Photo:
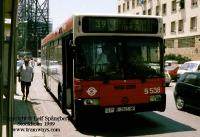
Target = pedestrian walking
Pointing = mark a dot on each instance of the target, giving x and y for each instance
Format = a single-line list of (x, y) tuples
[(32, 62), (26, 75)]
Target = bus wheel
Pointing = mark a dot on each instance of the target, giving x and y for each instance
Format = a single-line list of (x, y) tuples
[(77, 114)]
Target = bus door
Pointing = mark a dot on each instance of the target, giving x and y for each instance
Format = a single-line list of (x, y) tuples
[(68, 73)]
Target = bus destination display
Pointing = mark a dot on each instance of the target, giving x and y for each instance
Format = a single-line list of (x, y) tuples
[(119, 25)]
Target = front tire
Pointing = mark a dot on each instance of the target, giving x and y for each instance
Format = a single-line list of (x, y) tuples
[(180, 103), (77, 110), (78, 119)]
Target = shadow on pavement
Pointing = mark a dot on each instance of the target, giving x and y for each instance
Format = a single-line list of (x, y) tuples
[(148, 123), (24, 112)]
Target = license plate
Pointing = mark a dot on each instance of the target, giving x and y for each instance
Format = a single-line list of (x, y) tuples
[(125, 109), (110, 110), (119, 109)]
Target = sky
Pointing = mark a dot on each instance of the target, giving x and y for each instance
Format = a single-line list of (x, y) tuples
[(61, 10)]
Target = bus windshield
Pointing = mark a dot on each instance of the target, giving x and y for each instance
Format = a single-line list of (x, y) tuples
[(117, 57)]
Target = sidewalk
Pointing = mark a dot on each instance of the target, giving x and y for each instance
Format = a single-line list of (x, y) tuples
[(25, 119), (39, 116)]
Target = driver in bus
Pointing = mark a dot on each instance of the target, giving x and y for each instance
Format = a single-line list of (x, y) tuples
[(101, 60)]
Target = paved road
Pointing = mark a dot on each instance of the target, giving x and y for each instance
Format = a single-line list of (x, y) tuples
[(40, 116)]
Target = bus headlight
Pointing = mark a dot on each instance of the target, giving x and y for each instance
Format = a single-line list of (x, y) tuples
[(91, 102), (154, 98)]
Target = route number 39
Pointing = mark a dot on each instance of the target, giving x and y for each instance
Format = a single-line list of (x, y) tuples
[(154, 90)]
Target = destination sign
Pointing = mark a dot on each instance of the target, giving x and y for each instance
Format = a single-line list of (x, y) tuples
[(119, 25)]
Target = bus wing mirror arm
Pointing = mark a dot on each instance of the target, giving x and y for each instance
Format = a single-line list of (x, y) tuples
[(71, 43), (73, 48)]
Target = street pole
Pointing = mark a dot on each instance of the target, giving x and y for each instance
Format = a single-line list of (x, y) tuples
[(1, 74)]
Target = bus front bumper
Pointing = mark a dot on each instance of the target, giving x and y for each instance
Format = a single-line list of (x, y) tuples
[(131, 108)]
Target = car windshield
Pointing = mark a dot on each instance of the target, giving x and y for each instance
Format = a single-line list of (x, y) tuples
[(188, 66), (117, 58)]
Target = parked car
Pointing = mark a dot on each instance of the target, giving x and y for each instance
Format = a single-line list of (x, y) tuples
[(190, 66), (187, 91), (172, 71), (167, 79)]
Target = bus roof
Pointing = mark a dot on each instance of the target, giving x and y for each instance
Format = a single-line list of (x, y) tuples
[(65, 27), (115, 15), (68, 24)]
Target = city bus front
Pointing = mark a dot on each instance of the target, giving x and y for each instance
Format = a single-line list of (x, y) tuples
[(119, 73)]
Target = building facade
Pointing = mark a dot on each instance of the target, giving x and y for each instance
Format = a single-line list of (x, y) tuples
[(181, 22)]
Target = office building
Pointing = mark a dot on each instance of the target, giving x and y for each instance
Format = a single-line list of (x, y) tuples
[(181, 22)]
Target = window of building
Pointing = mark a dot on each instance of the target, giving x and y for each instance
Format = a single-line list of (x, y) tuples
[(124, 7), (127, 5), (169, 43), (144, 3), (180, 26), (173, 27), (144, 12), (138, 2), (174, 6), (164, 28), (164, 9), (133, 3), (157, 10), (182, 4), (193, 23), (119, 8), (186, 42), (194, 3), (149, 12)]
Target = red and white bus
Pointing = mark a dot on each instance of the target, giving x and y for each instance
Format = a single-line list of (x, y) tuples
[(106, 64)]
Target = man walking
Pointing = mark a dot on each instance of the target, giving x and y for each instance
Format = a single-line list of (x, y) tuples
[(25, 77)]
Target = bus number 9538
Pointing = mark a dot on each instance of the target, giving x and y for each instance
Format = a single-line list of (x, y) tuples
[(153, 90)]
